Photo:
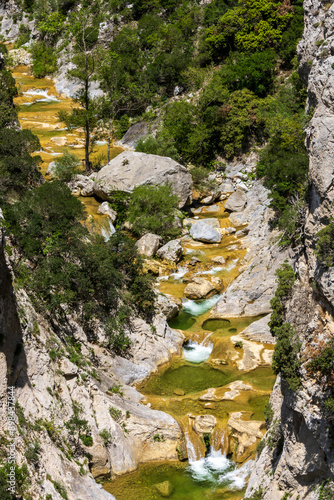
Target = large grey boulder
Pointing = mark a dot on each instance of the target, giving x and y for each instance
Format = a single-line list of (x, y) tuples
[(130, 169), (148, 244), (172, 251), (237, 201), (203, 231)]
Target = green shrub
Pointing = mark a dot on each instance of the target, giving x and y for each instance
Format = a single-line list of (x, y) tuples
[(268, 413), (24, 36), (66, 167), (115, 413), (21, 481), (61, 489), (326, 490), (160, 145), (105, 435), (257, 495), (325, 245), (285, 280), (286, 355), (86, 439), (152, 210), (44, 60)]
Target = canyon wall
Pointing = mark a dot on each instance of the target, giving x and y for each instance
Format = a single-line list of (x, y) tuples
[(298, 456)]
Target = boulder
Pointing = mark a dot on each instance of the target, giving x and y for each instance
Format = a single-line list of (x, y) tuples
[(219, 260), (105, 209), (172, 251), (167, 306), (193, 261), (226, 187), (237, 201), (131, 169), (81, 185), (217, 283), (165, 489), (148, 244), (199, 288), (202, 231), (204, 424)]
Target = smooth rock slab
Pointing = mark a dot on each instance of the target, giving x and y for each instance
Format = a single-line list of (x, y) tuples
[(202, 231), (130, 169), (148, 244)]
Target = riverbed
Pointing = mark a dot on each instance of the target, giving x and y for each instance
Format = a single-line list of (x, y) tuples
[(209, 358)]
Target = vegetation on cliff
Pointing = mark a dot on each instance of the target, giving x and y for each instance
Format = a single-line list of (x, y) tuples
[(286, 359)]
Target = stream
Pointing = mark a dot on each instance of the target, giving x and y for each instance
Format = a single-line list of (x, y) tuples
[(209, 357)]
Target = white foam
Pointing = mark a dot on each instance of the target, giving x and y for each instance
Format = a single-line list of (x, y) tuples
[(197, 308), (197, 353), (107, 232), (237, 478), (217, 468), (42, 93), (213, 270), (101, 143), (177, 275)]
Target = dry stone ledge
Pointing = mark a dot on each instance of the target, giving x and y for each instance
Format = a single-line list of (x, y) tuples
[(131, 169), (237, 201), (148, 244)]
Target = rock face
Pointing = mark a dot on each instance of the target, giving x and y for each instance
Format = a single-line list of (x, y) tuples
[(244, 432), (237, 201), (172, 251), (130, 169), (298, 443), (252, 290), (202, 231), (199, 288), (38, 378), (148, 244)]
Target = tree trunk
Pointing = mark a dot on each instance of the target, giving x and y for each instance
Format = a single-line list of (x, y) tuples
[(87, 131), (109, 136)]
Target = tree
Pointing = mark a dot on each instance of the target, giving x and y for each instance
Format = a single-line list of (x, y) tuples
[(82, 34)]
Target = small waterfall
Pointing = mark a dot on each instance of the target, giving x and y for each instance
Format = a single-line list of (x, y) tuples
[(196, 353), (191, 452), (108, 231), (196, 308)]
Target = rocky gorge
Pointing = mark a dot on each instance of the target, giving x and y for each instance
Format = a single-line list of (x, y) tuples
[(183, 414)]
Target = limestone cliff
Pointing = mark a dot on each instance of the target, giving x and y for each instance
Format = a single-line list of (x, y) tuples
[(298, 457), (48, 387)]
